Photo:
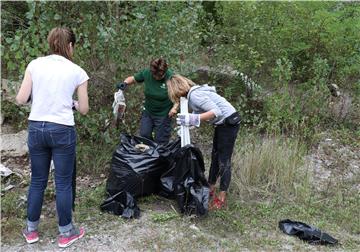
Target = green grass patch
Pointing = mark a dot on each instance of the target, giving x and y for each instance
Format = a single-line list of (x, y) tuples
[(256, 223), (164, 217)]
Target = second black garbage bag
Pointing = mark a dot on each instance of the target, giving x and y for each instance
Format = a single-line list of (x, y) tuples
[(185, 181)]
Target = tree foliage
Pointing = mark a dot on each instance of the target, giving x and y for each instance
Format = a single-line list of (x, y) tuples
[(254, 35), (294, 51)]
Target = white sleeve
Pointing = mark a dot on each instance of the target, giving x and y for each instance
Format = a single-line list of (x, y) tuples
[(30, 67), (81, 77)]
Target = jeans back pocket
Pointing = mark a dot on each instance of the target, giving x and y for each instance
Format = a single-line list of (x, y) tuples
[(63, 137)]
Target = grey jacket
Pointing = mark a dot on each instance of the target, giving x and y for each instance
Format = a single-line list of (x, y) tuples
[(204, 98)]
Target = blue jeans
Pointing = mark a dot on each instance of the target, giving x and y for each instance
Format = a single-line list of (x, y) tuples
[(159, 124), (48, 141)]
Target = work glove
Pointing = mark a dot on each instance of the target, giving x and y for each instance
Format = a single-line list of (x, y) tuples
[(188, 119), (122, 85)]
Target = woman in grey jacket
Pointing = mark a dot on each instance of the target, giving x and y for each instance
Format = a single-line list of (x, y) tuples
[(208, 106)]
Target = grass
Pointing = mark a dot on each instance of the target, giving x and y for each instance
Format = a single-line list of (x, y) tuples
[(248, 224), (263, 167), (164, 217), (94, 158), (13, 212), (270, 183)]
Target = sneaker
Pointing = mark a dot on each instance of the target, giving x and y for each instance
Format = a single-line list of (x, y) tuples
[(30, 236), (212, 192), (74, 235), (217, 204)]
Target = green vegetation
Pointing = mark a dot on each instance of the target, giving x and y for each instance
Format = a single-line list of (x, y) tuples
[(163, 217), (269, 166), (293, 53)]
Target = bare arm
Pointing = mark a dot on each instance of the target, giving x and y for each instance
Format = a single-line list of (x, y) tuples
[(25, 89), (83, 98), (173, 110), (130, 80)]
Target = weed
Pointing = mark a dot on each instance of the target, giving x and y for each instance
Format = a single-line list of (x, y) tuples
[(268, 167), (13, 205), (14, 114), (94, 157), (150, 198), (164, 217)]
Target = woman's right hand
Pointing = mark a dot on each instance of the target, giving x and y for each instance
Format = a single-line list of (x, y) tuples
[(172, 112)]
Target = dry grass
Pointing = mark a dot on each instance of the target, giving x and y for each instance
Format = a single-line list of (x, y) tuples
[(265, 166)]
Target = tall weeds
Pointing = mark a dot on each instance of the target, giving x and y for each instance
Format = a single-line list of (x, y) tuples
[(269, 167)]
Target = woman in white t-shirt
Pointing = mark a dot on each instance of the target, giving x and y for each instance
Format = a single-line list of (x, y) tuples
[(50, 83)]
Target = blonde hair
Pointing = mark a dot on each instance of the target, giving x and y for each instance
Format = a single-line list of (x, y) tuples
[(59, 39), (178, 86)]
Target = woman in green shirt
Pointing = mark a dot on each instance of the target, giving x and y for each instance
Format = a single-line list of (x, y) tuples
[(158, 108)]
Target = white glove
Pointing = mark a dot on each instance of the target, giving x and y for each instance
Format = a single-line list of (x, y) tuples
[(188, 119)]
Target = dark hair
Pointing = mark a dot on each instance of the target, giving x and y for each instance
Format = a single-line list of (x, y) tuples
[(59, 39), (158, 67)]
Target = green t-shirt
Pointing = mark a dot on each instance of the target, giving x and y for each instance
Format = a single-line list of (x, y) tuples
[(157, 101)]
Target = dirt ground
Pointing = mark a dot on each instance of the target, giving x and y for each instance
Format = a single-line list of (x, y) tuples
[(149, 232)]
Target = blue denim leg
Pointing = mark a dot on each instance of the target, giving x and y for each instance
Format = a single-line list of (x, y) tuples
[(40, 157), (146, 125), (63, 141), (162, 129), (159, 124), (46, 141)]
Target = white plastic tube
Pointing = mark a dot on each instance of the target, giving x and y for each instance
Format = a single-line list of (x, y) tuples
[(184, 130)]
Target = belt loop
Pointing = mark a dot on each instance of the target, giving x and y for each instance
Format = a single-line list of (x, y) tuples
[(43, 124)]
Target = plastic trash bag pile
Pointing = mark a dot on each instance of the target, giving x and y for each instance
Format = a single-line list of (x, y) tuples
[(141, 167)]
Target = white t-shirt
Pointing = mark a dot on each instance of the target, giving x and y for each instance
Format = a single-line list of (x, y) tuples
[(54, 79)]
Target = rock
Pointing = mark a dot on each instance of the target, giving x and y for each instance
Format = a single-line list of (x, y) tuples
[(193, 227), (333, 163), (342, 107), (9, 187), (204, 73), (14, 144), (4, 171), (9, 89), (334, 90)]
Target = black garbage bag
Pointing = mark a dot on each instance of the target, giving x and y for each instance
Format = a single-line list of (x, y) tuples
[(186, 182), (122, 204), (137, 170), (306, 232)]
